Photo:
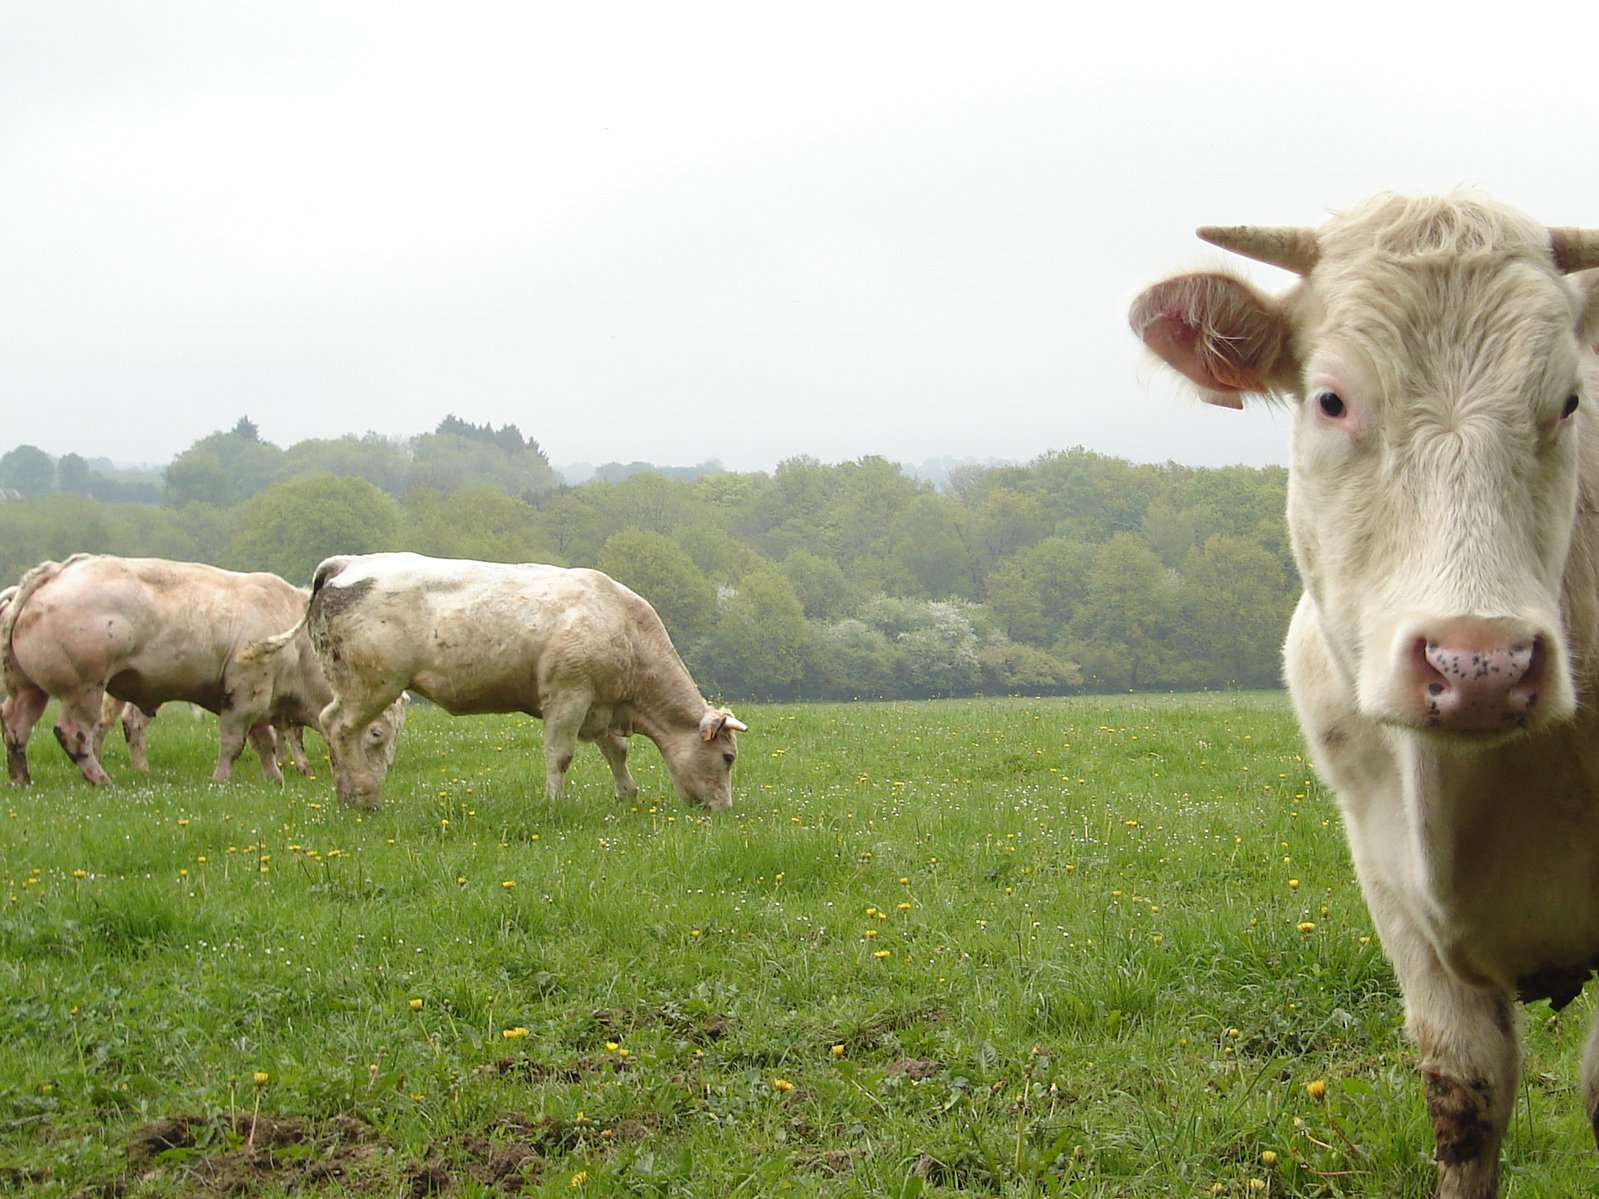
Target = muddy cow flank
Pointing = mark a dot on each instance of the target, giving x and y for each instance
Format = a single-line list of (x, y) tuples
[(573, 647), (1444, 659)]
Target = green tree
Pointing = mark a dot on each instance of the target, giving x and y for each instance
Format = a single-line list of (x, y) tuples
[(379, 460), (721, 557), (1236, 602), (1125, 623), (1007, 522), (930, 542), (1016, 604), (28, 470), (290, 527), (1011, 668), (761, 643), (852, 660), (475, 522), (73, 474), (223, 469), (50, 527), (658, 569), (820, 585)]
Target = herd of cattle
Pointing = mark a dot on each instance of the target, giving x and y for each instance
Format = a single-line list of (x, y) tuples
[(114, 638), (1438, 354)]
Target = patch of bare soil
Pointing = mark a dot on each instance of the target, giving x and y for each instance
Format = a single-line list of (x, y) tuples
[(235, 1154)]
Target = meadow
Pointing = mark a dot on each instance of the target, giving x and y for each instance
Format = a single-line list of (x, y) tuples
[(1076, 947)]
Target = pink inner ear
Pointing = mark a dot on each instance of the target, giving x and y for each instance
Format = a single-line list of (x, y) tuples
[(1212, 330), (1177, 341)]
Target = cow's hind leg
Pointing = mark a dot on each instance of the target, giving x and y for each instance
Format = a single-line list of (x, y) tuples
[(265, 741), (1469, 1064), (75, 725), (613, 745), (135, 724), (19, 713)]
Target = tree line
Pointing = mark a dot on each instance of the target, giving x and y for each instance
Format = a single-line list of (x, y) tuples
[(1073, 572)]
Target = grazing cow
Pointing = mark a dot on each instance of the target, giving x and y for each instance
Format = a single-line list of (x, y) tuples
[(1444, 660), (147, 630), (573, 647), (279, 674)]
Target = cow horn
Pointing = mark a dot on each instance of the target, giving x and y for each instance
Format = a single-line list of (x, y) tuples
[(1574, 249), (1291, 247)]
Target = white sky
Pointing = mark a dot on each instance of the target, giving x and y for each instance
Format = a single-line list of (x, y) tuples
[(679, 231)]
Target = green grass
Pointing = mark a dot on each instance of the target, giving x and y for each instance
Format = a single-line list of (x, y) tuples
[(1067, 947)]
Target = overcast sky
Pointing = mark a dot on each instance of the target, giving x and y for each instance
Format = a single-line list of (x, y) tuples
[(674, 231)]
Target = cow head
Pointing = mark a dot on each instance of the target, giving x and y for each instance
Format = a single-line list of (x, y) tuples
[(1436, 355), (700, 760)]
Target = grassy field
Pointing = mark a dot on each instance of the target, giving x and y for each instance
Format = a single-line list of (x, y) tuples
[(1079, 947)]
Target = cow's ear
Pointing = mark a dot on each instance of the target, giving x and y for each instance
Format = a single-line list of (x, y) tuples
[(717, 719), (1218, 332)]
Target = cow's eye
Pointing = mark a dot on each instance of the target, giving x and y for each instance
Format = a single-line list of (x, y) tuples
[(1331, 404), (1570, 407), (728, 758)]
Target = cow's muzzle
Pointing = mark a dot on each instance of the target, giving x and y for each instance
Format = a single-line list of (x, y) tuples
[(1473, 674)]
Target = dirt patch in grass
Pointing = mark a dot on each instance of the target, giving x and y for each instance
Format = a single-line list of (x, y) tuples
[(211, 1157), (236, 1154), (913, 1068)]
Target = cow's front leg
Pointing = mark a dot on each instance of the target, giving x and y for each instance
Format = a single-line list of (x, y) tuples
[(563, 720), (613, 746), (75, 725), (1469, 1064)]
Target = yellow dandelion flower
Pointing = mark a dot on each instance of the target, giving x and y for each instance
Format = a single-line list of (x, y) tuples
[(782, 1084), (611, 1046), (80, 874), (880, 954), (415, 1005), (1269, 1158), (904, 907), (509, 884), (838, 1051), (510, 1034), (1293, 884), (578, 1179), (260, 1078), (1306, 926), (1316, 1088)]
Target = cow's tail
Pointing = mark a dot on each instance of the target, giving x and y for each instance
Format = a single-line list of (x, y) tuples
[(20, 595), (255, 651), (327, 572)]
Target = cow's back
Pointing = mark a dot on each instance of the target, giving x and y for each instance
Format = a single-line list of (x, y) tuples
[(474, 636)]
